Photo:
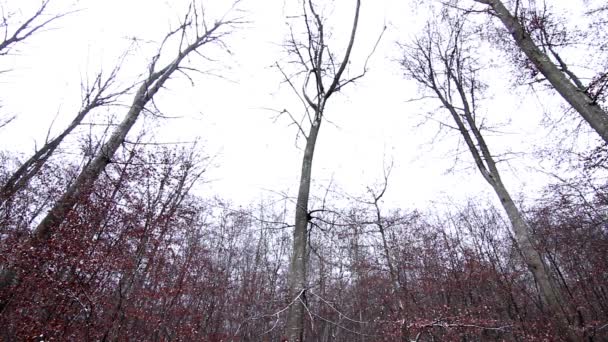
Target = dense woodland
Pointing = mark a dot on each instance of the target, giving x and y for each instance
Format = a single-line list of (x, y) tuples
[(112, 242)]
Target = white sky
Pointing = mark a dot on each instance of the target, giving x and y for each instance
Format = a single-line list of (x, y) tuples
[(255, 155)]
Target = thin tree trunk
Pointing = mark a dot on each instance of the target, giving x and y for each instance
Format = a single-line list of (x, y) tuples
[(83, 183), (395, 283), (487, 166), (576, 96), (315, 48), (95, 97), (445, 66), (81, 187), (299, 262), (549, 292), (91, 172), (30, 168)]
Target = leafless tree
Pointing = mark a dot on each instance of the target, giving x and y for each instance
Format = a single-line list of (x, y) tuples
[(32, 24), (192, 33), (181, 170), (26, 28), (444, 65), (382, 225), (194, 28), (323, 76), (97, 94), (548, 62)]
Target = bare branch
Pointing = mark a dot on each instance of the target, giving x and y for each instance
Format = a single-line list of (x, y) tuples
[(336, 82), (29, 27)]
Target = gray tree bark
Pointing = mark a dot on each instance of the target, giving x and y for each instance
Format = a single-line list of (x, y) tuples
[(314, 65), (299, 259), (574, 94), (487, 166), (550, 293), (150, 86), (445, 67), (85, 180), (94, 97)]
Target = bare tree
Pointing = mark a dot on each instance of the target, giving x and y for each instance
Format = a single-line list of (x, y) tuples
[(553, 67), (32, 24), (23, 30), (382, 224), (192, 33), (322, 78), (203, 35), (443, 64), (95, 95)]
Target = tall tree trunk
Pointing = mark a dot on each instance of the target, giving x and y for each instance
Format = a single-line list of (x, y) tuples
[(487, 166), (85, 180), (94, 97), (299, 258), (574, 94), (549, 292), (318, 58), (445, 66), (150, 86), (83, 183)]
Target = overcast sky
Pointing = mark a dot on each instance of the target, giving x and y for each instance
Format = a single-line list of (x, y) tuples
[(372, 121)]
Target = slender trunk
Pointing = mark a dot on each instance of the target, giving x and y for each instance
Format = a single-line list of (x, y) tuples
[(145, 93), (316, 47), (537, 267), (468, 128), (297, 267), (32, 166), (588, 108), (91, 172), (487, 166), (550, 294), (396, 284), (80, 188)]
